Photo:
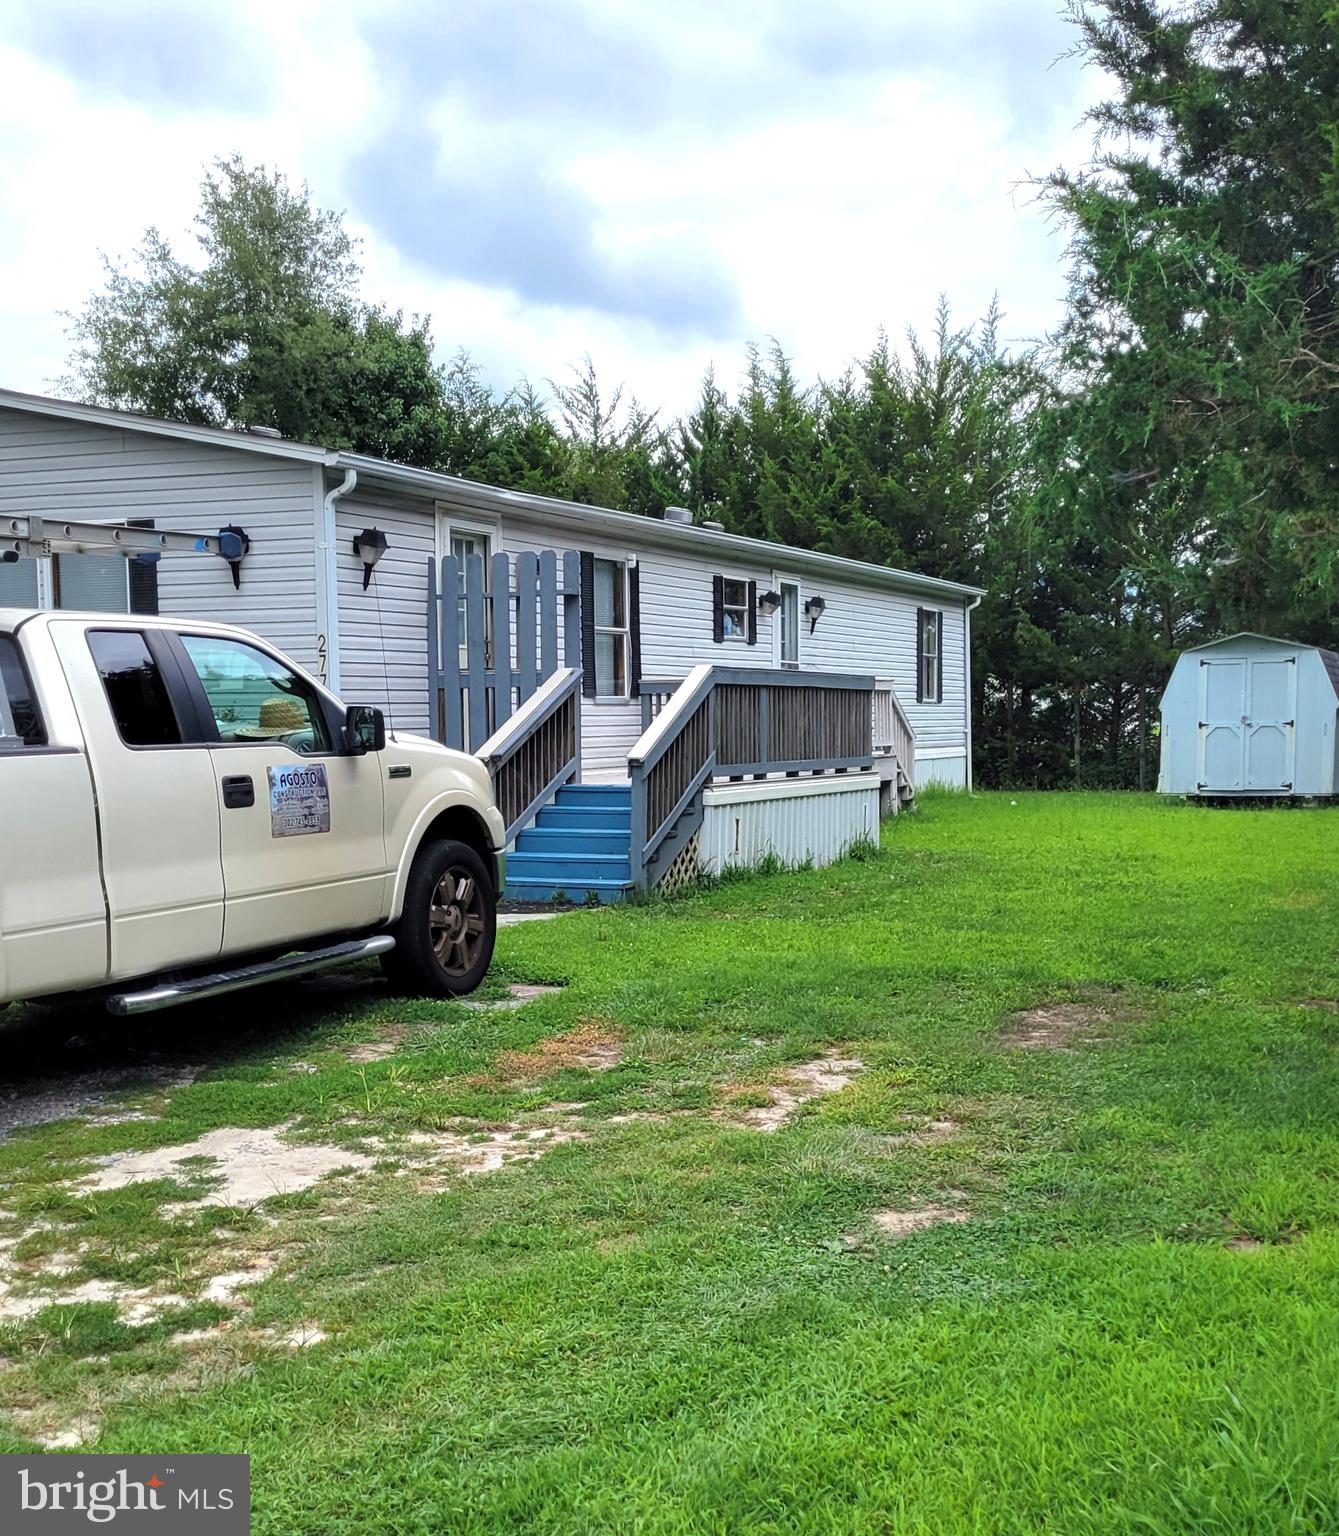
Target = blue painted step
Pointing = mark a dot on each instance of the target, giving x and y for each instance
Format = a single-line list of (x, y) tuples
[(575, 841), (603, 795), (565, 869), (580, 847), (596, 819), (604, 891)]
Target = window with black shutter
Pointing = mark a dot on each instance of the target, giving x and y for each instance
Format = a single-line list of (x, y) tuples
[(929, 656), (734, 610)]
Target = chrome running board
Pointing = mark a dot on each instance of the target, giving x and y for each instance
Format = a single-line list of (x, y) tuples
[(302, 963)]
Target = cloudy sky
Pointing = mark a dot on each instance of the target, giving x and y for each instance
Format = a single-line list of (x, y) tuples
[(654, 184)]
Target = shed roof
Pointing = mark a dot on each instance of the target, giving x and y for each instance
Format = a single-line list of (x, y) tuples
[(1328, 659), (630, 525)]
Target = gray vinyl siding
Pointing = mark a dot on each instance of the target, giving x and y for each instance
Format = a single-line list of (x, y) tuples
[(55, 468), (383, 633), (863, 629)]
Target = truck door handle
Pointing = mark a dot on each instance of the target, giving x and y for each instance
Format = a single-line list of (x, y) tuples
[(238, 792)]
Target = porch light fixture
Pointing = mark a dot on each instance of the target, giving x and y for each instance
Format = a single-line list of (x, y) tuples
[(369, 546), (233, 545), (768, 604), (814, 610)]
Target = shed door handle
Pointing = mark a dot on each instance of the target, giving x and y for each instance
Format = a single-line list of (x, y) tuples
[(238, 793)]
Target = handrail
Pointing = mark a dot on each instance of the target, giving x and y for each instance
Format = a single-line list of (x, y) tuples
[(535, 752), (894, 734), (739, 721)]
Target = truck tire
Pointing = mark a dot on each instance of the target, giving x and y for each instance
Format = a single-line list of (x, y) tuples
[(445, 936)]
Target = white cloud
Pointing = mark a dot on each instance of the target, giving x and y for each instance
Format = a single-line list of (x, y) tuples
[(739, 171)]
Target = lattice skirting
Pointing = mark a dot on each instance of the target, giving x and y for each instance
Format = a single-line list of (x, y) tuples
[(683, 872)]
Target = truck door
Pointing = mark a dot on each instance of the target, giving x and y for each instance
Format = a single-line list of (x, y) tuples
[(53, 920), (304, 850), (158, 809)]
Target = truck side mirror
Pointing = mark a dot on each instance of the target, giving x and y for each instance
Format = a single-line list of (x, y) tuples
[(364, 730)]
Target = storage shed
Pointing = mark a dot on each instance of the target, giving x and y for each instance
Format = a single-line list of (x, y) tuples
[(1251, 716)]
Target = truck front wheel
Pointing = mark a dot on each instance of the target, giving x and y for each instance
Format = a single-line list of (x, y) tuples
[(445, 936)]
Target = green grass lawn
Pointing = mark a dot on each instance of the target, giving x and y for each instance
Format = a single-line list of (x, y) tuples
[(681, 1324)]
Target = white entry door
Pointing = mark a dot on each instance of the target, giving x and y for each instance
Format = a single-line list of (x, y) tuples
[(786, 625)]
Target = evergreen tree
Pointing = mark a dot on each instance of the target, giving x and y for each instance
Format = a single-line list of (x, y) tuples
[(1201, 352)]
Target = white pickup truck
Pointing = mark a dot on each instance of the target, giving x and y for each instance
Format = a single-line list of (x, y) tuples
[(184, 812)]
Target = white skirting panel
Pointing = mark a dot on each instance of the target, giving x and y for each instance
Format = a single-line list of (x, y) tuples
[(945, 765), (797, 820)]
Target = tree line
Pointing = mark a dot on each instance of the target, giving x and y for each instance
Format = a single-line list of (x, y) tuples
[(1160, 470)]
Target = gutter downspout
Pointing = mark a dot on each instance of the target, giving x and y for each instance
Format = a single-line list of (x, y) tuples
[(967, 680), (325, 553)]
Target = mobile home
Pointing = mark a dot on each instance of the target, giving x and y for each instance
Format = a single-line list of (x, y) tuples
[(378, 577)]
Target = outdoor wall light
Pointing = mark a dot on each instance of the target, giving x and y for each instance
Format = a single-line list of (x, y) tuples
[(814, 610), (233, 545), (369, 546), (768, 604)]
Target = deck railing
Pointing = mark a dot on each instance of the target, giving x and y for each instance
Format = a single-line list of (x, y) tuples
[(655, 693), (496, 632), (734, 722), (537, 751), (893, 735)]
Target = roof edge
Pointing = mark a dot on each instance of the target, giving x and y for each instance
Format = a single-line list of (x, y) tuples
[(650, 530), (131, 421)]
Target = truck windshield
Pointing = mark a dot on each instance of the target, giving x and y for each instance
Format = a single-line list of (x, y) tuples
[(20, 723)]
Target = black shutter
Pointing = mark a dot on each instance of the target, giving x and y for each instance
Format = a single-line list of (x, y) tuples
[(920, 655), (588, 623), (143, 575), (718, 608), (751, 621), (635, 628)]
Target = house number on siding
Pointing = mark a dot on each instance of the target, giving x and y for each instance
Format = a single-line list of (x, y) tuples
[(321, 669)]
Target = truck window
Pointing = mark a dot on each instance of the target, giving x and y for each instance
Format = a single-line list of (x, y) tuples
[(20, 723), (135, 688), (255, 698)]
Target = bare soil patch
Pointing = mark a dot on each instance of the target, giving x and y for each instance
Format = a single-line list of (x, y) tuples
[(1062, 1025), (519, 993), (798, 1085), (896, 1224), (593, 1044), (249, 1165), (928, 1135), (392, 1038)]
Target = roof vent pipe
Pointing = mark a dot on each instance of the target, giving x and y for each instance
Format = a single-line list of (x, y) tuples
[(678, 515), (714, 527)]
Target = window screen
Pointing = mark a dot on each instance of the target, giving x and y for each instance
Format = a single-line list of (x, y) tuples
[(611, 629), (92, 583), (20, 724), (930, 676), (135, 688), (735, 609), (18, 584)]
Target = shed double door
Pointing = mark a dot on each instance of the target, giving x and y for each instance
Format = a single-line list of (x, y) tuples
[(1247, 733)]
